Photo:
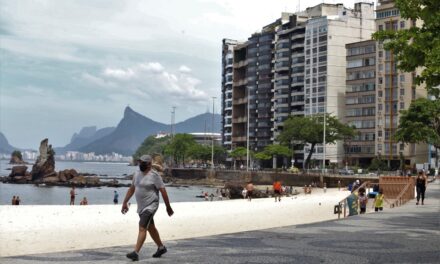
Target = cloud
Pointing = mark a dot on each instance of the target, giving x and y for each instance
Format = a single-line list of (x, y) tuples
[(184, 69), (151, 80)]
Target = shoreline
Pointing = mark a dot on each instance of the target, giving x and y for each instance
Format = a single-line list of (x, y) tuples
[(63, 228)]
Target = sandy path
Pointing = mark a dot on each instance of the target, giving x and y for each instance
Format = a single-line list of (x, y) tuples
[(41, 229)]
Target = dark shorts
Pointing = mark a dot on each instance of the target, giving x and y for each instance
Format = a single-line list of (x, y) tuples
[(378, 209), (249, 194), (277, 192), (363, 210), (146, 219)]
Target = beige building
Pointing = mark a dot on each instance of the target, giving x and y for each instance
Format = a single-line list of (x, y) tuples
[(360, 103), (394, 92)]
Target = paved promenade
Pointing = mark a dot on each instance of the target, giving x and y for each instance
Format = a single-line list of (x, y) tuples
[(408, 234)]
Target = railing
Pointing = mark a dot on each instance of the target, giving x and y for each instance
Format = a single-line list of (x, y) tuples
[(403, 197), (406, 194)]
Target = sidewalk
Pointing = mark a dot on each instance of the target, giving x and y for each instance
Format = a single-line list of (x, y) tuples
[(407, 234)]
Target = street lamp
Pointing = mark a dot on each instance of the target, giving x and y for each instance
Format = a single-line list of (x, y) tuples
[(212, 134)]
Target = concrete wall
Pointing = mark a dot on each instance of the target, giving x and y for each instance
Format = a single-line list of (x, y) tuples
[(265, 178)]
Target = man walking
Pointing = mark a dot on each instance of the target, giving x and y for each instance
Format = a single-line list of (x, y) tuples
[(145, 186)]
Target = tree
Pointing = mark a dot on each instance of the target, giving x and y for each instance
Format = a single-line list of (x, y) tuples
[(239, 153), (151, 145), (273, 151), (417, 47), (17, 153), (200, 152), (310, 129), (179, 146), (421, 124)]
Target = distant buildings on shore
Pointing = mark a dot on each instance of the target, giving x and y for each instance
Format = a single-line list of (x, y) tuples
[(75, 156)]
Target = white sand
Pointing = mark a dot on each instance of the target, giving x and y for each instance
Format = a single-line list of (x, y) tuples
[(39, 229)]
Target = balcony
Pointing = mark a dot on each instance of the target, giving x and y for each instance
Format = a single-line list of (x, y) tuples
[(239, 101), (239, 139), (242, 119), (240, 64), (240, 82)]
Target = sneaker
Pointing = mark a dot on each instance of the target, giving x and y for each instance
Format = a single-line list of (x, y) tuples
[(133, 256), (160, 252)]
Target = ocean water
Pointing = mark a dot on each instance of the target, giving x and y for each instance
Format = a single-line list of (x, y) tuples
[(56, 195), (110, 169)]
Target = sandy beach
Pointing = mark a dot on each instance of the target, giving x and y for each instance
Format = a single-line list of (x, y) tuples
[(40, 229)]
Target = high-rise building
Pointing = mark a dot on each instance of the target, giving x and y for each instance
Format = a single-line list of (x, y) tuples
[(227, 80), (325, 63), (360, 103), (295, 66), (394, 92)]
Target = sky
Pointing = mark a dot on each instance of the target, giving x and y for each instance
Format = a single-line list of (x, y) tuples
[(69, 64)]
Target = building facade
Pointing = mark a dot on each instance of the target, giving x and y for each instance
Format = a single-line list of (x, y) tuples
[(360, 103), (227, 81), (394, 92)]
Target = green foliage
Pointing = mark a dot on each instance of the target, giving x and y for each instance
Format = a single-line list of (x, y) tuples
[(310, 129), (378, 164), (199, 152), (179, 147), (273, 150), (238, 153), (17, 153), (421, 123), (151, 145), (417, 46)]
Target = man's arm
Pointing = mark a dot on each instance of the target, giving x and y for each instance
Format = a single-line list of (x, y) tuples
[(164, 193), (129, 194)]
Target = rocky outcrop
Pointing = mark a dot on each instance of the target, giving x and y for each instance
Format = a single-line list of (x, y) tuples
[(67, 175), (45, 164), (18, 171), (16, 158)]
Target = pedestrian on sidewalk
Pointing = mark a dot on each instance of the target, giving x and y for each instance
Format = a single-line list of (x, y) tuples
[(146, 185), (421, 183), (363, 200), (378, 201)]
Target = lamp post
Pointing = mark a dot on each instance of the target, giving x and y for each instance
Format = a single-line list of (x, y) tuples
[(212, 134), (247, 133)]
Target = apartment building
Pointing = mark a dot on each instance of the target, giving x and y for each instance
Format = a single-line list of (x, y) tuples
[(227, 81), (394, 92), (327, 32), (360, 103), (295, 66)]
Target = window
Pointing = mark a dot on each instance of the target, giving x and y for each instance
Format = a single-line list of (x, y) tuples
[(354, 63), (402, 24), (402, 78), (402, 105), (379, 107), (322, 58), (402, 91), (322, 48), (380, 54), (380, 27), (379, 94)]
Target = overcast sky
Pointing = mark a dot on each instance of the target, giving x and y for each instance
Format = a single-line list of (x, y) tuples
[(69, 64)]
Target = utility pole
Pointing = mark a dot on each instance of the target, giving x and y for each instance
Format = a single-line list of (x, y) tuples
[(173, 119), (212, 134), (247, 128)]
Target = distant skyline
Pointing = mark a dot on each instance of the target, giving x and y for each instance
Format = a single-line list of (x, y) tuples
[(70, 64)]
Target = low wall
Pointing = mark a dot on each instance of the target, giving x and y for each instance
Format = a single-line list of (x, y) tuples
[(264, 177)]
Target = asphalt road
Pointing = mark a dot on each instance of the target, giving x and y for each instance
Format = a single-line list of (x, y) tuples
[(408, 234)]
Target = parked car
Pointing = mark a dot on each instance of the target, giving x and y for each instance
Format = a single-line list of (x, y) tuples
[(346, 172)]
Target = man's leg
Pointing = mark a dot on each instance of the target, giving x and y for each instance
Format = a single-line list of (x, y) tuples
[(142, 235), (155, 235)]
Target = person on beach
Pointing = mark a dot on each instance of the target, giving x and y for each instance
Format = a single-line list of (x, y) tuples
[(84, 201), (378, 201), (339, 185), (244, 193), (325, 187), (72, 196), (13, 200), (363, 200), (421, 183), (17, 200), (249, 191), (146, 185), (115, 197), (277, 188)]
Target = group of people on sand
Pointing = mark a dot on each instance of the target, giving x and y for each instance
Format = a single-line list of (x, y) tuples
[(15, 200)]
